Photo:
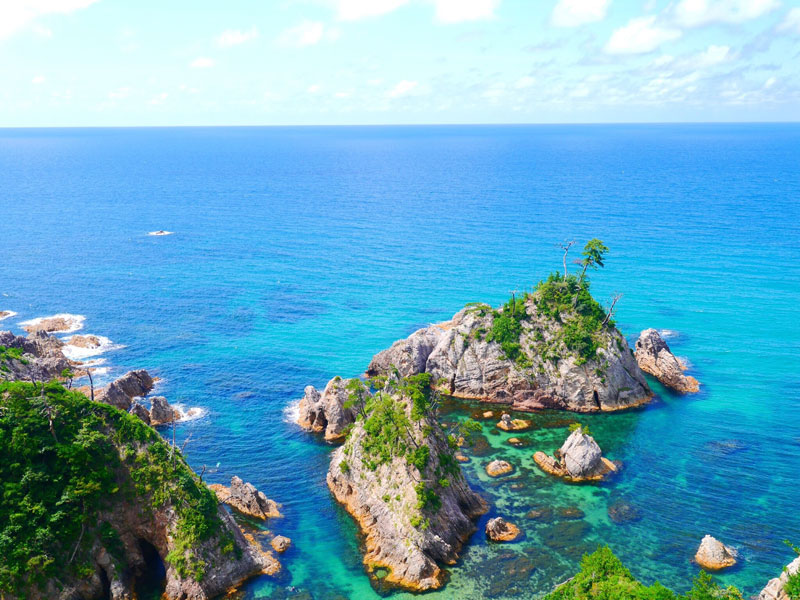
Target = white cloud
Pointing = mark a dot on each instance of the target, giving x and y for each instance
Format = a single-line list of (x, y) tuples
[(354, 10), (313, 89), (18, 14), (403, 88), (38, 79), (525, 82), (639, 36), (234, 37), (791, 22), (159, 99), (695, 13), (714, 55), (119, 93), (571, 13), (341, 95), (308, 33), (458, 11), (769, 83), (202, 62)]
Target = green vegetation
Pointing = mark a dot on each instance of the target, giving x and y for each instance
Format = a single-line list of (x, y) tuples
[(792, 587), (65, 459), (9, 354), (603, 577), (507, 328), (584, 428)]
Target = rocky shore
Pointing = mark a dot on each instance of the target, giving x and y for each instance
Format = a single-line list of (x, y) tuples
[(654, 357)]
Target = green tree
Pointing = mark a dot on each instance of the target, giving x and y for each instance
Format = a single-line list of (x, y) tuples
[(593, 256)]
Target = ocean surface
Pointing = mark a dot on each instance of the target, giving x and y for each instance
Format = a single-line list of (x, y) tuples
[(298, 253)]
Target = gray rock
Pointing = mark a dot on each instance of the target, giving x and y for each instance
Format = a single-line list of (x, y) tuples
[(162, 412), (581, 455), (465, 364), (141, 412), (42, 358), (121, 392), (500, 530), (325, 412), (774, 590), (654, 356), (246, 499), (713, 555)]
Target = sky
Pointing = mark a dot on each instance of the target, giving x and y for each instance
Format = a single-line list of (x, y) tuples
[(337, 62)]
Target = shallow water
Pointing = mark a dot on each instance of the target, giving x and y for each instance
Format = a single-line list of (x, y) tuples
[(300, 252)]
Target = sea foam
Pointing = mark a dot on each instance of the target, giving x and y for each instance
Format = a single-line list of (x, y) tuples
[(75, 322), (80, 353)]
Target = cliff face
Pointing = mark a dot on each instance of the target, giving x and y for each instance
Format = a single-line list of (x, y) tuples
[(776, 588), (113, 500), (532, 353), (325, 412), (37, 356), (654, 356), (397, 476)]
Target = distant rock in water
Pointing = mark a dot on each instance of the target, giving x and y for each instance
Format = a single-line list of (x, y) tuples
[(121, 392), (654, 356), (397, 475), (500, 530), (162, 412), (775, 589), (325, 412), (6, 314), (160, 232), (246, 499), (713, 555), (532, 353), (38, 357), (61, 323), (578, 459)]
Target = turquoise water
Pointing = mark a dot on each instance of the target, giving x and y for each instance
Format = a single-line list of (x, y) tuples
[(300, 252)]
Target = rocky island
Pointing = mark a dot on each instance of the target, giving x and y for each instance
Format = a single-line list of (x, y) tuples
[(579, 459), (654, 357)]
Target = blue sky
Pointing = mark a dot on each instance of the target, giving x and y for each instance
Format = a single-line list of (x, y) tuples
[(282, 62)]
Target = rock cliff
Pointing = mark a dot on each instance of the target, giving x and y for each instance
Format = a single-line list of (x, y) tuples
[(654, 356), (36, 357), (245, 498), (553, 348), (115, 502), (776, 588), (121, 392), (325, 412), (397, 476)]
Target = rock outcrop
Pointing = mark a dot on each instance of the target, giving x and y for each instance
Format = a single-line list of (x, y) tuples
[(246, 499), (280, 543), (496, 468), (500, 530), (397, 476), (121, 392), (465, 361), (325, 412), (140, 411), (654, 357), (506, 423), (54, 324), (162, 412), (578, 459), (42, 358), (713, 555), (775, 589)]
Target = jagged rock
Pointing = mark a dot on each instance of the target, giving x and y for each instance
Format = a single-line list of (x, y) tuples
[(654, 356), (122, 391), (407, 529), (774, 590), (141, 412), (713, 555), (496, 468), (464, 363), (280, 543), (500, 530), (54, 324), (162, 412), (85, 341), (245, 498), (506, 423), (325, 412), (42, 358), (578, 459)]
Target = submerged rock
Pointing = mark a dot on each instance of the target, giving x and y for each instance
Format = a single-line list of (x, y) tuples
[(623, 511), (654, 356), (121, 392), (325, 412), (465, 362), (775, 589), (713, 555), (578, 459), (162, 412), (396, 474), (500, 530), (246, 499)]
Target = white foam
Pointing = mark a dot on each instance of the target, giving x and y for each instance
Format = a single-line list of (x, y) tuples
[(668, 333), (687, 364), (291, 412), (190, 414), (94, 363), (8, 314), (75, 322), (80, 353), (160, 232)]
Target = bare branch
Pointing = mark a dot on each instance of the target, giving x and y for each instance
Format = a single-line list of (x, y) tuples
[(610, 312), (565, 247)]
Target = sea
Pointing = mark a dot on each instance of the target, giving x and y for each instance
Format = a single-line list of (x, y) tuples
[(297, 253)]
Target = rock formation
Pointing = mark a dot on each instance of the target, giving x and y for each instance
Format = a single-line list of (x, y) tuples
[(466, 361), (654, 356), (578, 459), (713, 555), (121, 392), (246, 499), (162, 412), (775, 589), (506, 423), (500, 530), (496, 468), (54, 324), (280, 543), (42, 357), (325, 412), (140, 411), (397, 476)]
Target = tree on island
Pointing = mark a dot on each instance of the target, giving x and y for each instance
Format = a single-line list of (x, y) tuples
[(593, 255)]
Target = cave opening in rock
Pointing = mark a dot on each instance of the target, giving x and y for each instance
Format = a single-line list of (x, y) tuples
[(105, 583), (596, 399), (151, 582)]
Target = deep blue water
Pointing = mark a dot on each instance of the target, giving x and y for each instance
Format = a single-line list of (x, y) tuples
[(300, 252)]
